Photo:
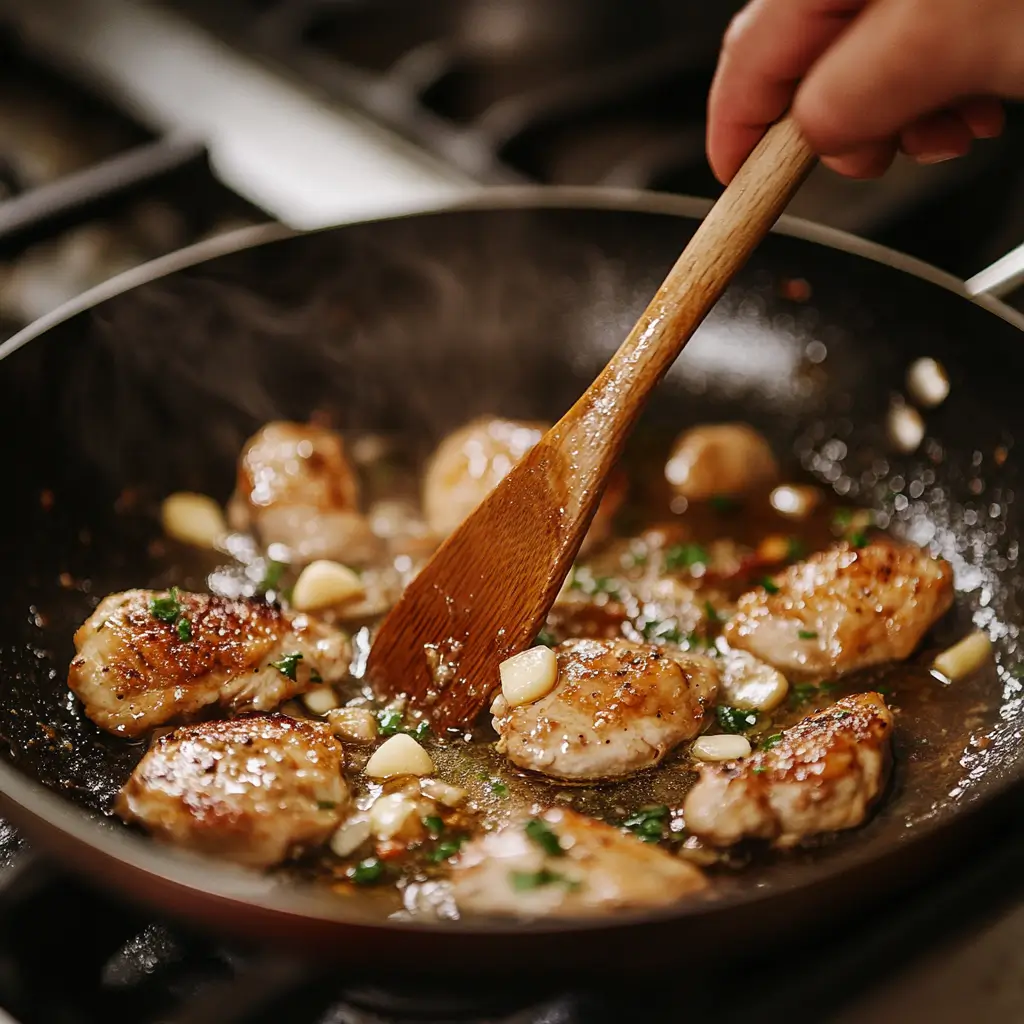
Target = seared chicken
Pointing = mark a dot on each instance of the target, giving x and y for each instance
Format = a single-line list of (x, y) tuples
[(145, 658), (823, 775), (296, 488), (472, 461), (844, 609), (720, 459), (617, 707), (563, 864), (254, 790)]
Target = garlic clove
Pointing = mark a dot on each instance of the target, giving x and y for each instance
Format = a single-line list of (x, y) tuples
[(320, 701), (528, 676), (350, 836), (389, 815), (324, 584), (194, 519), (399, 755), (964, 657), (720, 748)]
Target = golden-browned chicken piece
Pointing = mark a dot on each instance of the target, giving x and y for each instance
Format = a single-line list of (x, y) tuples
[(617, 707), (297, 488), (563, 864), (254, 790), (844, 609), (823, 775), (145, 658), (472, 461), (720, 459)]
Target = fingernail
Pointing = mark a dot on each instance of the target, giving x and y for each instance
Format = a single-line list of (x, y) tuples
[(935, 158)]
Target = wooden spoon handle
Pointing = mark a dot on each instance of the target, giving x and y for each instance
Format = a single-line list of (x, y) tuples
[(742, 216)]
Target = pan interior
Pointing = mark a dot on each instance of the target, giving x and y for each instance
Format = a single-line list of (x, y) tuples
[(412, 327)]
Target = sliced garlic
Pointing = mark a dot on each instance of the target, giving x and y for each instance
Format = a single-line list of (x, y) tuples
[(350, 836), (750, 684), (927, 382), (965, 657), (357, 725), (194, 519), (399, 755), (905, 427), (529, 675), (442, 792), (720, 748), (390, 814), (320, 701), (325, 584)]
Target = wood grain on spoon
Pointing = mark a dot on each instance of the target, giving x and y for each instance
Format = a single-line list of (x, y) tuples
[(488, 589)]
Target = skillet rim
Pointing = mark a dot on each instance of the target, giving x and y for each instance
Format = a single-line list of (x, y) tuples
[(210, 879)]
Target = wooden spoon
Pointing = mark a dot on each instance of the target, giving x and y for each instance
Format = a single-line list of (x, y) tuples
[(488, 589)]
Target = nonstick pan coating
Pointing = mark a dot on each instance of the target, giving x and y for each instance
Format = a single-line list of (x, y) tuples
[(509, 305)]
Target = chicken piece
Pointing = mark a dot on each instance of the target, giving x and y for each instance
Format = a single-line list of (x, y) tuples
[(722, 459), (472, 461), (823, 775), (844, 609), (617, 707), (563, 864), (296, 488), (253, 790), (145, 658)]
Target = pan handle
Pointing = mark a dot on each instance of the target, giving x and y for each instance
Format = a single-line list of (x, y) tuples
[(1004, 276)]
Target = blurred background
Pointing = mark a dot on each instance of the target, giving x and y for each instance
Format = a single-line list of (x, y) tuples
[(129, 129)]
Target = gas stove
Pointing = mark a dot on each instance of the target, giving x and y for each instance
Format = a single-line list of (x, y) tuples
[(130, 129)]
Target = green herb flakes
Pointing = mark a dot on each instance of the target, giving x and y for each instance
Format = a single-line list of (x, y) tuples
[(540, 833), (648, 823), (684, 556), (498, 788), (288, 665), (326, 805), (858, 539), (772, 741), (770, 585), (795, 549), (272, 573), (807, 634), (434, 825), (389, 722), (184, 628), (524, 881), (446, 849), (367, 872), (735, 719), (711, 613), (545, 638), (166, 609), (663, 629)]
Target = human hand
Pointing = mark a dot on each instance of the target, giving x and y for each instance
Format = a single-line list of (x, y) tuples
[(866, 78)]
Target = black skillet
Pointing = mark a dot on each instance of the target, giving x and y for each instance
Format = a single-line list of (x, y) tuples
[(509, 304)]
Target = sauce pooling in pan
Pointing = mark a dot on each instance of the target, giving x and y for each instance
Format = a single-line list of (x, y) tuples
[(716, 676)]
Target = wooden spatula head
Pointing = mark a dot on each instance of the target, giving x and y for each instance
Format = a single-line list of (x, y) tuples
[(487, 590)]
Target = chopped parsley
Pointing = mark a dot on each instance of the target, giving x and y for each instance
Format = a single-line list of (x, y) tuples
[(807, 634), (391, 722), (545, 638), (683, 556), (540, 833), (858, 539), (770, 585), (523, 881), (663, 629), (772, 741), (496, 786), (801, 693), (648, 823), (795, 548), (841, 713), (433, 824), (841, 518), (166, 609), (711, 613), (735, 719), (446, 849), (583, 579), (272, 573), (759, 770), (326, 805), (184, 628), (288, 666), (366, 872)]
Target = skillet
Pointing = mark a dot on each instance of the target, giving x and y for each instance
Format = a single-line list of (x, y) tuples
[(507, 304)]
